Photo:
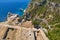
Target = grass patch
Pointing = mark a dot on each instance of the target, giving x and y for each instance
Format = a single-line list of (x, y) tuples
[(57, 1), (54, 34)]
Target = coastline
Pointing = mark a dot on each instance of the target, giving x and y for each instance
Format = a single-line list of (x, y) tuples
[(26, 9), (14, 10)]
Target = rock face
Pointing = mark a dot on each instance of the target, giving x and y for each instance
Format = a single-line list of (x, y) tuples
[(24, 31), (27, 24), (13, 19)]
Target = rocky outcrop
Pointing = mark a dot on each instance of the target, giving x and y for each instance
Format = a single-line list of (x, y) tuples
[(11, 30)]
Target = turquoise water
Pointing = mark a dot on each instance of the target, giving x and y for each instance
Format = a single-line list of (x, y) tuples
[(12, 6)]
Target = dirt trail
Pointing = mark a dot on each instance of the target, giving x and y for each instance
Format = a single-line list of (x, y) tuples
[(55, 24)]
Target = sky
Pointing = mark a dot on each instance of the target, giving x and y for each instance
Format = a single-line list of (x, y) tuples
[(13, 0)]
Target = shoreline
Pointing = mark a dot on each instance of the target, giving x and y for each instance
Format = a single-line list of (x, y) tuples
[(26, 10), (2, 19)]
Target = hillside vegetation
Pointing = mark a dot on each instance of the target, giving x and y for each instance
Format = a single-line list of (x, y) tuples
[(50, 12)]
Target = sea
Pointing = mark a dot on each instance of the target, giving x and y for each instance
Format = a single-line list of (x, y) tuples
[(12, 6)]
